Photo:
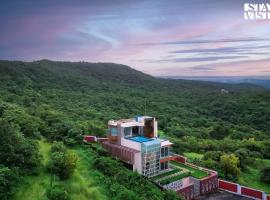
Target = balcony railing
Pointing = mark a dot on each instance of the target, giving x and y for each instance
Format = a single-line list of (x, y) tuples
[(169, 154)]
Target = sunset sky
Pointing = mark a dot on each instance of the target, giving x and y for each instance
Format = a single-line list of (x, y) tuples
[(178, 38)]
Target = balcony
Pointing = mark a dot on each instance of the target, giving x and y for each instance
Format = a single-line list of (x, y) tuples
[(166, 156)]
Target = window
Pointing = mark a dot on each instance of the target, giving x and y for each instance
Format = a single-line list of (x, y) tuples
[(164, 166), (128, 132), (113, 131), (164, 151), (135, 130)]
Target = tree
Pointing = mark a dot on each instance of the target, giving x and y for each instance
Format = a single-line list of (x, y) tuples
[(57, 192), (16, 150), (219, 132), (265, 175), (209, 163), (244, 157), (8, 178), (62, 162), (229, 164), (58, 147), (266, 150), (125, 194), (171, 195), (178, 131), (212, 155)]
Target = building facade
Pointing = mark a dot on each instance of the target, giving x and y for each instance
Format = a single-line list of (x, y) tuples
[(135, 141)]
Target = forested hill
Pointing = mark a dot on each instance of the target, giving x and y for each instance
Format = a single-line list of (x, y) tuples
[(90, 91), (46, 101), (80, 74)]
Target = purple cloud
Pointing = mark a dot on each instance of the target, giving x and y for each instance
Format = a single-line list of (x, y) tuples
[(109, 31)]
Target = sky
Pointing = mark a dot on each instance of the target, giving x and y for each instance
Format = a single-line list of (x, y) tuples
[(158, 37)]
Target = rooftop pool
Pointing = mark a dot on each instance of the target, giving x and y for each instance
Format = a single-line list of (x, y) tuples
[(140, 139)]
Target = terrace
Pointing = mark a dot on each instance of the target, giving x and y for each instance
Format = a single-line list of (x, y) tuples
[(178, 171), (194, 172), (164, 175)]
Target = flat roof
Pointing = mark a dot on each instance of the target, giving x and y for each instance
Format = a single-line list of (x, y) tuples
[(128, 121), (140, 139), (166, 143)]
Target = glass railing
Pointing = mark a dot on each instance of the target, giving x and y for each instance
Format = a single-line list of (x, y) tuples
[(165, 155)]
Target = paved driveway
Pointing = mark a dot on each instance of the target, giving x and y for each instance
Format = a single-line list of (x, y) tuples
[(221, 195)]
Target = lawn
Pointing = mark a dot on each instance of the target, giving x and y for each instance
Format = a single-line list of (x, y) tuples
[(80, 186), (162, 175), (174, 178), (196, 173), (251, 176)]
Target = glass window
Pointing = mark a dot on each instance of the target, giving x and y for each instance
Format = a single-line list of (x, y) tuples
[(164, 152), (128, 132), (135, 130), (113, 131), (164, 165)]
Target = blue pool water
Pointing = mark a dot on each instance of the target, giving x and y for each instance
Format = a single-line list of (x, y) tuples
[(140, 139)]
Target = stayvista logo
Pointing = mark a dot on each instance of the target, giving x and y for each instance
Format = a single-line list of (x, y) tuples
[(257, 10)]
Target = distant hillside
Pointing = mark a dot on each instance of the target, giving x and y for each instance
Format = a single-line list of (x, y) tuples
[(260, 81), (114, 90)]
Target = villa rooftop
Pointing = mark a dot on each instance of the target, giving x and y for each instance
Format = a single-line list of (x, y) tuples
[(130, 121)]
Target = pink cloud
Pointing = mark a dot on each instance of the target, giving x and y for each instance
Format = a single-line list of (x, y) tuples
[(239, 68)]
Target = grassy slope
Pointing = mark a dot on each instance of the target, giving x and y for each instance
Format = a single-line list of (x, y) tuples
[(251, 177), (34, 186), (80, 185)]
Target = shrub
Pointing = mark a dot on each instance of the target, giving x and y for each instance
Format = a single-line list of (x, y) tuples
[(62, 162)]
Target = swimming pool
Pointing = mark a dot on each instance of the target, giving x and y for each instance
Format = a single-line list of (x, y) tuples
[(140, 139)]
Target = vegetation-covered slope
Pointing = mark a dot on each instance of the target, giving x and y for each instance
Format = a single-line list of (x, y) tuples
[(64, 100)]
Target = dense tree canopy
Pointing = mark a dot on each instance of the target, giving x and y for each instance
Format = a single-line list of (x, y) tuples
[(265, 175), (63, 101)]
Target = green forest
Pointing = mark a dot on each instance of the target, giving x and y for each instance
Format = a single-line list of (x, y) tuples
[(46, 107)]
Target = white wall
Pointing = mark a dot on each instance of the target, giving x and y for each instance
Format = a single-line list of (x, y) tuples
[(138, 163), (155, 128), (131, 144)]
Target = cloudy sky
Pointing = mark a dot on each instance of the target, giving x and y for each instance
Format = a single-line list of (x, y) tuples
[(159, 37)]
